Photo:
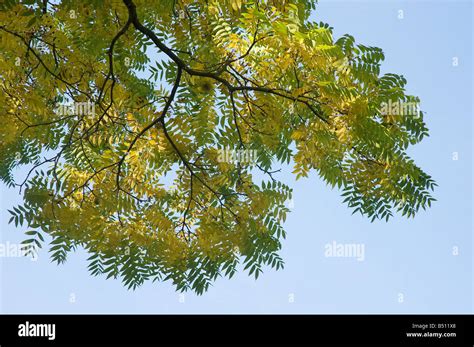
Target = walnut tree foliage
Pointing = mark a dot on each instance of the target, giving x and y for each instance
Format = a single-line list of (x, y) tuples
[(173, 83)]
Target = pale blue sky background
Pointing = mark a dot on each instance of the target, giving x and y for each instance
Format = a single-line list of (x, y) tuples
[(409, 257)]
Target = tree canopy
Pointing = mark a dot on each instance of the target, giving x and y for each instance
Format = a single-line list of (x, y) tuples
[(118, 113)]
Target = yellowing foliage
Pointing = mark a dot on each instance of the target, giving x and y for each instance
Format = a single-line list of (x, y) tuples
[(157, 90)]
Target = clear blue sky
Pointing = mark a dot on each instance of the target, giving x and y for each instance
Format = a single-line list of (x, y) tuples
[(410, 258)]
